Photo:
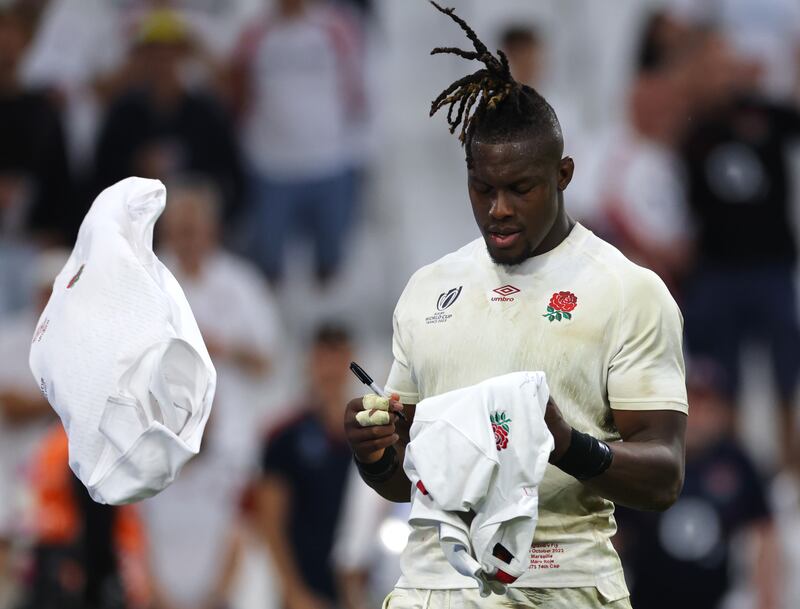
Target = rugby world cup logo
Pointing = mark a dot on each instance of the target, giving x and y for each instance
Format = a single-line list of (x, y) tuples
[(446, 299)]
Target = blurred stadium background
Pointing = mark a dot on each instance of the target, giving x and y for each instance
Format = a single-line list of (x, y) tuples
[(306, 183)]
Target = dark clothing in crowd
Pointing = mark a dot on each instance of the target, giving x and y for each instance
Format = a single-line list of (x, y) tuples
[(740, 195), (33, 154), (315, 467), (739, 187), (196, 136), (681, 557), (83, 574), (725, 308)]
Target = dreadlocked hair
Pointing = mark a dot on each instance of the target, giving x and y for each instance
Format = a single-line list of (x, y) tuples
[(490, 102)]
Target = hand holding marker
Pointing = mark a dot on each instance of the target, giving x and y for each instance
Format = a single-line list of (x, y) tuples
[(376, 407)]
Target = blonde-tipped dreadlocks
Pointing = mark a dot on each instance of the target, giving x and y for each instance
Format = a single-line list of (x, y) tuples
[(501, 105)]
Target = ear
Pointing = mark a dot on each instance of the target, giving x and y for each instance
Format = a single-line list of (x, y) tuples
[(566, 167)]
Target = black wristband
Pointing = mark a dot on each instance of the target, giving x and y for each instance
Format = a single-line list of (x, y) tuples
[(382, 469), (586, 457)]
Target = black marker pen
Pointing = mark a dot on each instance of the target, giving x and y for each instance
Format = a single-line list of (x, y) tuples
[(367, 380)]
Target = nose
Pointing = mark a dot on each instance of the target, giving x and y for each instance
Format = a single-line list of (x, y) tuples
[(501, 207)]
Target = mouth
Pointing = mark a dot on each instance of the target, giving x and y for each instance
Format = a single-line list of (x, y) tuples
[(505, 238)]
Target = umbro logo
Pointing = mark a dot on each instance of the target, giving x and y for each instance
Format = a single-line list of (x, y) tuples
[(506, 290), (504, 293)]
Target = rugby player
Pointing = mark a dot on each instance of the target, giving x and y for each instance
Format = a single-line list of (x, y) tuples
[(536, 291)]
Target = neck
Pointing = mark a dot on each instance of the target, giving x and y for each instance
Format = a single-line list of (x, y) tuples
[(560, 231), (192, 266), (165, 92)]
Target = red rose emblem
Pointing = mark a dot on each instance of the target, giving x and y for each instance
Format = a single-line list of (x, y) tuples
[(500, 436), (564, 301)]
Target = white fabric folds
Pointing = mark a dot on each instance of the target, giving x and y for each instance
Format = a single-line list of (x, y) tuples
[(482, 449), (118, 354)]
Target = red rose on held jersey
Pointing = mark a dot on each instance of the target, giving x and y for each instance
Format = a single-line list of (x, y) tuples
[(500, 427), (500, 437)]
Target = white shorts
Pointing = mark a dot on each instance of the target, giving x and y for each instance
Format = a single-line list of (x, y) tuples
[(517, 598)]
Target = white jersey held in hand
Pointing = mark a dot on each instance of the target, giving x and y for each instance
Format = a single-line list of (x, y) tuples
[(118, 354), (484, 449)]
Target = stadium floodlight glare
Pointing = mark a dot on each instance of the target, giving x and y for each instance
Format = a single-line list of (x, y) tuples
[(393, 534)]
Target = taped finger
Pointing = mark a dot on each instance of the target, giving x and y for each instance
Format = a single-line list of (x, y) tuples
[(369, 418)]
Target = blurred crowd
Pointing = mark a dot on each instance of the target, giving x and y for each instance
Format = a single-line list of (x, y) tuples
[(305, 182)]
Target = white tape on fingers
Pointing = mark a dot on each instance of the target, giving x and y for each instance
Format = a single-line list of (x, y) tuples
[(368, 418), (375, 402)]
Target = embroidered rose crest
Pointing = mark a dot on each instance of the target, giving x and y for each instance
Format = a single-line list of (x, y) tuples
[(561, 305), (500, 427)]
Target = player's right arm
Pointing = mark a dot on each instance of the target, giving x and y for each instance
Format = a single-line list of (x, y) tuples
[(369, 445)]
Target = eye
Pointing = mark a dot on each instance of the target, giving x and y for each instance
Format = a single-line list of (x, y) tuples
[(524, 188), (480, 187)]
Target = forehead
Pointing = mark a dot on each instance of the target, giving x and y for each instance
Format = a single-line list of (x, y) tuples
[(511, 161)]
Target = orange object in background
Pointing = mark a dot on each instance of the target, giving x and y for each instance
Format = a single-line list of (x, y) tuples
[(60, 523)]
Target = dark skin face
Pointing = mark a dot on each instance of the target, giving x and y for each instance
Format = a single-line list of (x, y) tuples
[(516, 190)]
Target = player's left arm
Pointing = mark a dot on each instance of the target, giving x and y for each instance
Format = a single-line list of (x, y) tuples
[(647, 467), (646, 391)]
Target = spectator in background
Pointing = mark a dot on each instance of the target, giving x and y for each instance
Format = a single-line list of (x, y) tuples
[(524, 50), (764, 31), (742, 283), (371, 534), (527, 52), (683, 557), (194, 538), (63, 57), (194, 552), (233, 308), (162, 127), (35, 190), (305, 470), (86, 555), (298, 82), (634, 177), (24, 416)]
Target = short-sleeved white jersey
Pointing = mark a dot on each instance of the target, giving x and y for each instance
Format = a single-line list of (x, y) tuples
[(608, 335)]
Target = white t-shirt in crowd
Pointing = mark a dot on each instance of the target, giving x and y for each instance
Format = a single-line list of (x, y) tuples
[(189, 527), (637, 179), (306, 85), (232, 305), (190, 523), (607, 334)]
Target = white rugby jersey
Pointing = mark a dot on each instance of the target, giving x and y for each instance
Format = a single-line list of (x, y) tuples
[(607, 334)]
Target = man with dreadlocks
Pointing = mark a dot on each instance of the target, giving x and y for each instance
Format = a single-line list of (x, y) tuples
[(538, 291)]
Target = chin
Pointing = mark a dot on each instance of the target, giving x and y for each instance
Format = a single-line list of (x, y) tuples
[(507, 257)]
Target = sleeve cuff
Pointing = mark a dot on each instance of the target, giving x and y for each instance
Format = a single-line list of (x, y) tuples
[(405, 397), (649, 404)]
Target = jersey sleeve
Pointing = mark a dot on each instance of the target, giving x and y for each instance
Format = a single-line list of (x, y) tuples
[(402, 380), (647, 370)]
